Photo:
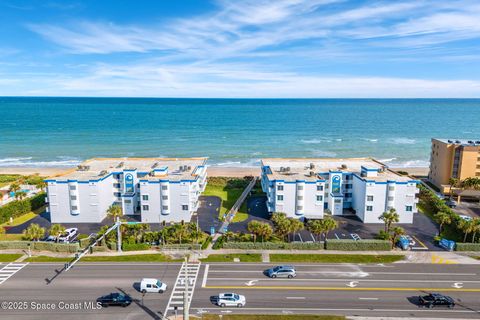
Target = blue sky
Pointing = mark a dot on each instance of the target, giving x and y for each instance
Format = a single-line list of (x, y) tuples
[(251, 48)]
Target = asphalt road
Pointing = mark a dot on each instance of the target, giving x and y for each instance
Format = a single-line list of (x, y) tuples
[(363, 290)]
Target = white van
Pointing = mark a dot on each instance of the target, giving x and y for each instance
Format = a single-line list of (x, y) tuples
[(152, 285)]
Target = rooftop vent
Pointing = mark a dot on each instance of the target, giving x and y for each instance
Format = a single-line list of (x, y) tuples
[(121, 164), (287, 169), (312, 165), (343, 166), (103, 172), (312, 173), (282, 169), (83, 168), (155, 165), (189, 168)]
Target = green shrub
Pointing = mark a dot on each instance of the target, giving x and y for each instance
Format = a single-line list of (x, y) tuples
[(206, 243), (135, 246), (382, 235), (7, 178), (219, 243), (99, 249), (274, 245), (467, 246), (40, 245), (360, 245), (20, 207)]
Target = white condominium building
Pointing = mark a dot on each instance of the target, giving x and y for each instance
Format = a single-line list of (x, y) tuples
[(306, 188), (156, 189)]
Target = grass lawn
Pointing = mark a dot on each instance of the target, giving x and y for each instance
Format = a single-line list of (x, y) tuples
[(11, 237), (127, 258), (9, 257), (335, 258), (271, 317), (244, 257), (19, 220), (229, 195)]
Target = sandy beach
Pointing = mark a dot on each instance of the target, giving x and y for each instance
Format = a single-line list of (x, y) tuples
[(213, 171)]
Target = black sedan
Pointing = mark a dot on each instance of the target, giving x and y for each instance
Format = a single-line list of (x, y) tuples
[(115, 299), (436, 299)]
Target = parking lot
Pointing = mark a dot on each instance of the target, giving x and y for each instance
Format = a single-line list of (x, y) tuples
[(468, 208)]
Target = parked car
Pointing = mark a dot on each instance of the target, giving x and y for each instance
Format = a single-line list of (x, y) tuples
[(436, 299), (152, 285), (281, 272), (69, 235), (451, 203), (230, 300), (115, 299), (464, 217)]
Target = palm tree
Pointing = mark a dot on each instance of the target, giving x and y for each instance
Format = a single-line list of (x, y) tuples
[(228, 235), (396, 232), (56, 230), (475, 228), (281, 224), (14, 187), (329, 224), (265, 231), (295, 226), (453, 182), (114, 211), (467, 226), (41, 185), (472, 183), (254, 227), (315, 227), (20, 195), (34, 232), (389, 217), (2, 230), (442, 218)]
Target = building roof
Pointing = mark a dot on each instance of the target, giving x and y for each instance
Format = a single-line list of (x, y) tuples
[(169, 168), (300, 168), (461, 142)]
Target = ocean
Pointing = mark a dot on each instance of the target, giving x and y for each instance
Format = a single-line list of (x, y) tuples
[(44, 132)]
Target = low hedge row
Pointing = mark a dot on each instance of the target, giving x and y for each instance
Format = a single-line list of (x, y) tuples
[(135, 246), (359, 245), (467, 246), (40, 245), (206, 243), (274, 245), (20, 207)]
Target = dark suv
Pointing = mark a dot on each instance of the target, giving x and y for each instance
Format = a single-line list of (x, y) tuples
[(436, 299), (115, 299)]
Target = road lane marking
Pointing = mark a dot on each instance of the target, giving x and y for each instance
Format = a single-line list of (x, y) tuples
[(420, 242), (205, 275), (353, 272), (352, 284), (361, 298), (295, 298), (188, 273), (343, 288)]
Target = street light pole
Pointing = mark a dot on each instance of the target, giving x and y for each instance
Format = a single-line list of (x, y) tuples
[(119, 235)]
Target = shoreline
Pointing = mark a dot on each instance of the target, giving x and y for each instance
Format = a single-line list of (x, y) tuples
[(213, 171)]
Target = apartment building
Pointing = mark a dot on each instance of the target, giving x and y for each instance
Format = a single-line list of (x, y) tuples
[(156, 189), (453, 158), (307, 188)]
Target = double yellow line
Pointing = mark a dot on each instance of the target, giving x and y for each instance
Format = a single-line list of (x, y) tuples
[(343, 289)]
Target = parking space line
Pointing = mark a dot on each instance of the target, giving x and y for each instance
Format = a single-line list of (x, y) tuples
[(313, 238), (205, 275), (420, 242), (300, 237)]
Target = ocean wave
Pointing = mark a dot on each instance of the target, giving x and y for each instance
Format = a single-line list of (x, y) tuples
[(403, 141), (29, 162), (248, 163), (316, 141), (371, 140), (323, 153), (387, 160), (410, 164)]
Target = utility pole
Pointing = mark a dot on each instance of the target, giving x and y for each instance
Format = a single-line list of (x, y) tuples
[(186, 304), (119, 235)]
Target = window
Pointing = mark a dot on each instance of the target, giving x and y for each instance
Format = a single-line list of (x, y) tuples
[(145, 207), (128, 201), (145, 197), (184, 207), (280, 187), (164, 197), (73, 187), (299, 207), (116, 176), (280, 197), (369, 198), (164, 207), (74, 208), (73, 197), (319, 198), (116, 185), (117, 194), (300, 198), (348, 195), (319, 188), (164, 187), (391, 188), (338, 201), (408, 208), (300, 187), (390, 198), (369, 208)]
